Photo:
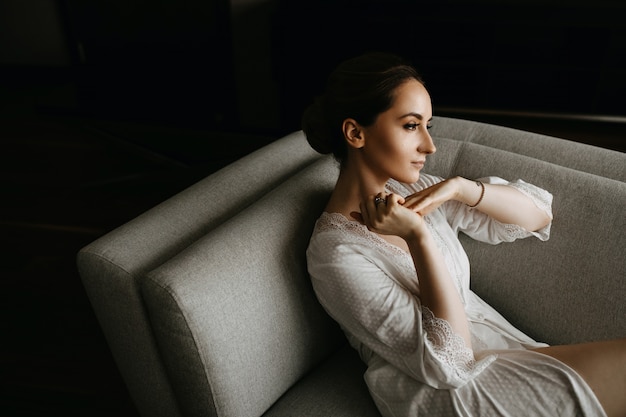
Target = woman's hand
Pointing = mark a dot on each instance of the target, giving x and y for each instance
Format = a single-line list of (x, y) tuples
[(501, 202), (428, 199), (389, 214), (386, 214)]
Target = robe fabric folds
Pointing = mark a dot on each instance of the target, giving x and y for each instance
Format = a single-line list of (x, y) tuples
[(416, 364)]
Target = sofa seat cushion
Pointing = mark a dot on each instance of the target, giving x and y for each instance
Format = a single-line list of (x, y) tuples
[(335, 388)]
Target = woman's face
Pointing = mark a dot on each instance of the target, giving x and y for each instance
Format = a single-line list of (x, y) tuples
[(397, 143)]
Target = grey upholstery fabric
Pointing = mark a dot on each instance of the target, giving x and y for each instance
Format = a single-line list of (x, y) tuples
[(545, 287), (579, 156), (111, 267), (237, 306), (337, 386), (207, 308)]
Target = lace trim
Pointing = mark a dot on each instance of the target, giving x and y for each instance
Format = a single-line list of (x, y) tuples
[(337, 221), (540, 197), (450, 347), (447, 346), (514, 231)]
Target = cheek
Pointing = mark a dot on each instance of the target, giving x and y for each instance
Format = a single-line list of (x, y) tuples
[(388, 146), (390, 154), (391, 142)]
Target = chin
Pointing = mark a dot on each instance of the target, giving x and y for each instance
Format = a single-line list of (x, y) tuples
[(408, 179)]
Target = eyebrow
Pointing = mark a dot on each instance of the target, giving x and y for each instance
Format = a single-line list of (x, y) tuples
[(416, 115)]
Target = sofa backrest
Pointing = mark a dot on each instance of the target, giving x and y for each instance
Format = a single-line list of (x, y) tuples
[(579, 156), (237, 322), (234, 315), (112, 266), (570, 288)]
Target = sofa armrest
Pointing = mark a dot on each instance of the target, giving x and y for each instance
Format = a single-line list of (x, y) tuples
[(112, 266)]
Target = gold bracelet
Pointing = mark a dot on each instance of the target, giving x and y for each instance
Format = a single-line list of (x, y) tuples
[(482, 194)]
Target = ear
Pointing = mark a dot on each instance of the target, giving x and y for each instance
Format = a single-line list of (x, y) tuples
[(353, 132)]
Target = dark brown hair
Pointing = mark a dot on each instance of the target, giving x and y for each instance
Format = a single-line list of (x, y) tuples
[(359, 88)]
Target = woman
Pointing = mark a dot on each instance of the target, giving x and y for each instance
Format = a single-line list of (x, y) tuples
[(386, 264)]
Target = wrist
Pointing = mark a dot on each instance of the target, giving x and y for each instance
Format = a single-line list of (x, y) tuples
[(470, 192), (417, 237), (422, 244), (480, 197)]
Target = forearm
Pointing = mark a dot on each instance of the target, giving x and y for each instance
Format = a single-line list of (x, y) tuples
[(503, 203), (437, 290)]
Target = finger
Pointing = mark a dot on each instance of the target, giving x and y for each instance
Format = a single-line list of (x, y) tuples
[(364, 213), (357, 216), (421, 205), (414, 199), (372, 210), (419, 201), (395, 199), (380, 199)]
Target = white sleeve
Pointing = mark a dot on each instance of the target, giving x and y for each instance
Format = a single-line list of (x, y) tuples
[(388, 318), (481, 227)]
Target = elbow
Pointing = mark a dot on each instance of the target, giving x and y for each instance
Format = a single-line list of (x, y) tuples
[(542, 221), (535, 220)]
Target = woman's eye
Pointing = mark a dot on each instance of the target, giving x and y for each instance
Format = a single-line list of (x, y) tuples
[(429, 125), (411, 126)]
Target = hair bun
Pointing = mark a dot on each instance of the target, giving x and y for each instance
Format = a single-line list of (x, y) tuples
[(360, 89), (316, 128)]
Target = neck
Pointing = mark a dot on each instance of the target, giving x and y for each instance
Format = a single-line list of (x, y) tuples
[(352, 187)]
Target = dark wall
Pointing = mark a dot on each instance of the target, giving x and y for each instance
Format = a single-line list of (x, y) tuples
[(155, 59), (246, 64), (143, 60), (31, 33), (545, 56)]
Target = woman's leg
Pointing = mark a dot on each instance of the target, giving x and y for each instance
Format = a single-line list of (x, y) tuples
[(602, 365)]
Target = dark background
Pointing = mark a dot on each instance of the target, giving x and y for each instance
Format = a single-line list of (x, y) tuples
[(108, 107)]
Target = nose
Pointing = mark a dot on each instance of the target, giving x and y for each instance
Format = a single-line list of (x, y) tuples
[(427, 145)]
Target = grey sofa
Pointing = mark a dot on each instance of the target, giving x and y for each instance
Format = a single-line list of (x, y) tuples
[(206, 304)]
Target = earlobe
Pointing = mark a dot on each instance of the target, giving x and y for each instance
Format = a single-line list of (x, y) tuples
[(353, 133)]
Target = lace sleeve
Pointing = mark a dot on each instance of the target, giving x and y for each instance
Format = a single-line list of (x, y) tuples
[(481, 227), (370, 288), (453, 358), (540, 197)]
